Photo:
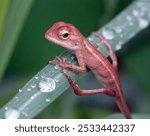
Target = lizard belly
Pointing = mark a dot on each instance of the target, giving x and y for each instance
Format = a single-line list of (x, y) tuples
[(101, 67), (105, 79)]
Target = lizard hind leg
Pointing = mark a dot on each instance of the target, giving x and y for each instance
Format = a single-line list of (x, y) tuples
[(110, 49), (80, 92)]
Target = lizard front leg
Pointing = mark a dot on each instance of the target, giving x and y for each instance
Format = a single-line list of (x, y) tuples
[(80, 92), (75, 68)]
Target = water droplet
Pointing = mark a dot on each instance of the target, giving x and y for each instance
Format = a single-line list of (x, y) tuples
[(108, 33), (6, 108), (129, 18), (32, 97), (90, 39), (33, 86), (51, 71), (135, 13), (35, 95), (47, 85), (143, 23), (28, 89), (72, 57), (118, 46), (56, 66), (48, 99), (20, 90), (12, 113), (118, 29), (36, 77)]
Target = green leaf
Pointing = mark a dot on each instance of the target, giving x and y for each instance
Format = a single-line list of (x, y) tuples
[(14, 21), (4, 5)]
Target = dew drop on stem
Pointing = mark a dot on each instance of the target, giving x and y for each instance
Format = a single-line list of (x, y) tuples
[(118, 46), (56, 66), (20, 90), (12, 113), (143, 23), (29, 89), (108, 33), (33, 85), (47, 85), (48, 99), (118, 29), (36, 77)]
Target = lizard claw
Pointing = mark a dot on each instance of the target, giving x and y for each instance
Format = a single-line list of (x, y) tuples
[(64, 71), (52, 62), (60, 58), (60, 61)]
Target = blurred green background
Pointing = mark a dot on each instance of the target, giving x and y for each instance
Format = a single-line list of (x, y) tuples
[(24, 51)]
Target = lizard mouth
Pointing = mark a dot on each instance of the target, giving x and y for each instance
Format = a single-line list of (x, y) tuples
[(47, 36), (50, 38)]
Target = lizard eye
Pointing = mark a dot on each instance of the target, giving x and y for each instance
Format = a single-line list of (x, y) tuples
[(63, 33), (63, 36)]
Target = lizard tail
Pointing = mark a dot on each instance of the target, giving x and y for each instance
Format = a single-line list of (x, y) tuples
[(123, 107)]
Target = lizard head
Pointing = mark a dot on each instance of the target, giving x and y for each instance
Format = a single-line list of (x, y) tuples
[(65, 35)]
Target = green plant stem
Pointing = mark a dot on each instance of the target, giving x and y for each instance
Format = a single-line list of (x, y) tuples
[(49, 83)]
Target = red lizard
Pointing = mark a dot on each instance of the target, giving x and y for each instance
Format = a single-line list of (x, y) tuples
[(88, 56)]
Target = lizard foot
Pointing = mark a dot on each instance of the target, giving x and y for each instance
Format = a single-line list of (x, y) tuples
[(61, 62)]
